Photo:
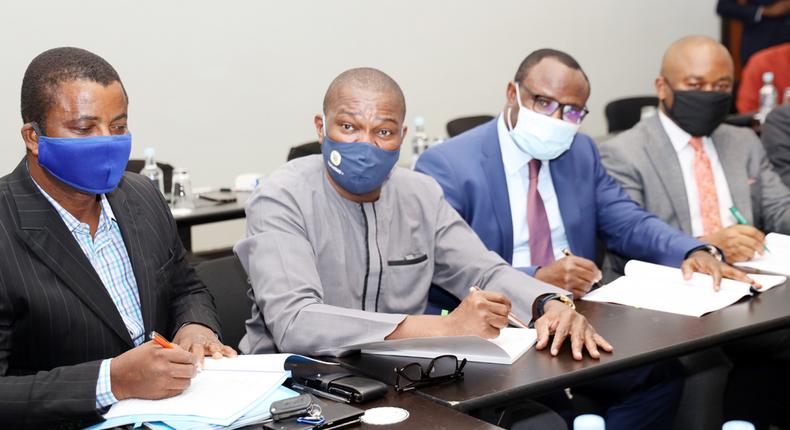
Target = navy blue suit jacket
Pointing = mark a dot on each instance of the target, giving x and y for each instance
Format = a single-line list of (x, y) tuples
[(592, 205), (767, 32)]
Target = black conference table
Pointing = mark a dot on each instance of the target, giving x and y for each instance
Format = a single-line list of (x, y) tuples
[(205, 212), (639, 336), (423, 414)]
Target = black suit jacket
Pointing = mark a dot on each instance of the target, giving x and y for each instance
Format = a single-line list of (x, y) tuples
[(57, 320)]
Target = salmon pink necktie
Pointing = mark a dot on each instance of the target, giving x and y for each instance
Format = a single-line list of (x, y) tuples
[(706, 188)]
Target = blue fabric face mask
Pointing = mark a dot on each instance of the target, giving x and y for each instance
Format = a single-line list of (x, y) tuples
[(541, 136), (358, 167), (92, 164)]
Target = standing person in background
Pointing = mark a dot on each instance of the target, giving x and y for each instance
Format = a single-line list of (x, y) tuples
[(765, 23)]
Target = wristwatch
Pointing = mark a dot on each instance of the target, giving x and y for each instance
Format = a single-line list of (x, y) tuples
[(540, 303), (712, 250)]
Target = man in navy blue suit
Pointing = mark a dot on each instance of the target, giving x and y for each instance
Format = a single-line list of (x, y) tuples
[(534, 190), (549, 227)]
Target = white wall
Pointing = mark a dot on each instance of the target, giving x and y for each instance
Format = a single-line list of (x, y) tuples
[(228, 87)]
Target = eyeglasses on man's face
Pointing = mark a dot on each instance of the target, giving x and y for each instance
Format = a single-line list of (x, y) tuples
[(548, 106)]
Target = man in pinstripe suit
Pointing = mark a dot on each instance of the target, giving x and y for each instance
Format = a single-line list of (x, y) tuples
[(90, 260)]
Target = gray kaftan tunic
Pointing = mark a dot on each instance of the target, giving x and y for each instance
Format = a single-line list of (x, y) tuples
[(327, 272)]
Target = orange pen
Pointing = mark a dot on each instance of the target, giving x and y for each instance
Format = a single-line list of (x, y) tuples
[(161, 341)]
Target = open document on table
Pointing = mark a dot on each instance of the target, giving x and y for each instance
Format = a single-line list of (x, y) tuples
[(228, 392), (662, 288), (776, 259), (255, 415), (511, 344)]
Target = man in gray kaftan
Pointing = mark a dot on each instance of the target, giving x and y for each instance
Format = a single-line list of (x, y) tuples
[(341, 248)]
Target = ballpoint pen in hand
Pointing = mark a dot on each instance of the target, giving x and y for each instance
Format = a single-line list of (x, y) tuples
[(741, 220), (160, 340), (510, 317), (568, 253)]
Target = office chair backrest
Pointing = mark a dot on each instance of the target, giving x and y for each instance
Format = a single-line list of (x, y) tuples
[(227, 281), (460, 125), (623, 114), (136, 165), (304, 150)]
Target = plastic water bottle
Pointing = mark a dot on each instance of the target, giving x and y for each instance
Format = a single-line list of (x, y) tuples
[(152, 171), (768, 95), (737, 425), (589, 422), (419, 142)]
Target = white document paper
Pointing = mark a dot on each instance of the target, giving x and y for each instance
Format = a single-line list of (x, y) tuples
[(216, 397), (256, 415), (776, 259), (222, 392), (511, 344), (662, 288)]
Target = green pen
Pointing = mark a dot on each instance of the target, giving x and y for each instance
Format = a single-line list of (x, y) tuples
[(741, 220)]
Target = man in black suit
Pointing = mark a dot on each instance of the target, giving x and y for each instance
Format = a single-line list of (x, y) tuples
[(91, 260)]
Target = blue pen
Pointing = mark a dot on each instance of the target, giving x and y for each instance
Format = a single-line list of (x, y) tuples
[(741, 220)]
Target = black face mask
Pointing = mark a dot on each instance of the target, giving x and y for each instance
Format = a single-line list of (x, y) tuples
[(699, 112)]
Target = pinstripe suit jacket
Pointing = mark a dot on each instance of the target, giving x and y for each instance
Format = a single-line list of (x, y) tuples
[(57, 320)]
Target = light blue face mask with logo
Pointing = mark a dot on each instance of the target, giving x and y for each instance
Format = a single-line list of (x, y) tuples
[(358, 167), (541, 136)]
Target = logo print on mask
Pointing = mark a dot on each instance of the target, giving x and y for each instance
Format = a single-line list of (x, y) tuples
[(335, 158)]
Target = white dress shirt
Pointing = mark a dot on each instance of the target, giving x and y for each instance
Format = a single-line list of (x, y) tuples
[(517, 175), (680, 141)]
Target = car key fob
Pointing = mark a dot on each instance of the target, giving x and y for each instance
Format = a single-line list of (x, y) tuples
[(291, 407)]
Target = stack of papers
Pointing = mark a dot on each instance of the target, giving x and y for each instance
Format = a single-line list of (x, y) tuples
[(227, 393), (776, 259), (662, 288), (511, 344), (256, 415)]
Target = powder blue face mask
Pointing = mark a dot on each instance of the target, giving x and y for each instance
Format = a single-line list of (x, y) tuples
[(541, 136), (92, 164), (358, 167)]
